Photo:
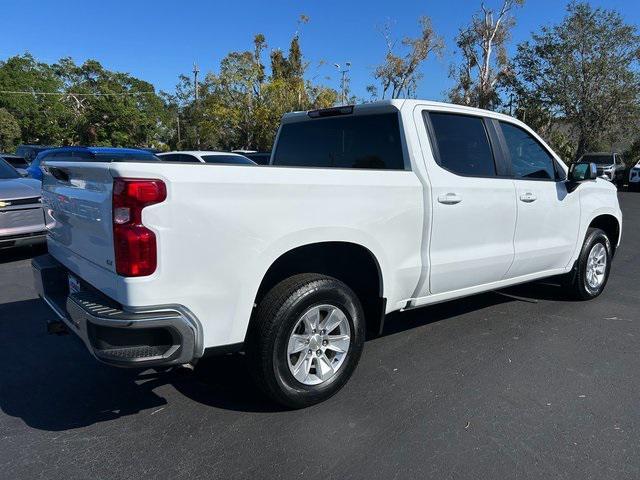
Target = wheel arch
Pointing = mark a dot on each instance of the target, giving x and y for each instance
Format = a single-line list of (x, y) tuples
[(610, 225), (352, 263)]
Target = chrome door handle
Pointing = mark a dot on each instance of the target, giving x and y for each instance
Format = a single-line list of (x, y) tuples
[(528, 197), (450, 198)]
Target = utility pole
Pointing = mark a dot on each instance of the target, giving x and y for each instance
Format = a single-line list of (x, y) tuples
[(343, 82), (196, 70)]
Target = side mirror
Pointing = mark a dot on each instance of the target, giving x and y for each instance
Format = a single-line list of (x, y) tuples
[(582, 172)]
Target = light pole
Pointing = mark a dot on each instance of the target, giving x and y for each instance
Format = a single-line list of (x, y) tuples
[(196, 70), (343, 81)]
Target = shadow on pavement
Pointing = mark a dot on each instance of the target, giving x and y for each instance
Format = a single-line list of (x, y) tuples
[(53, 383), (401, 321), (549, 290)]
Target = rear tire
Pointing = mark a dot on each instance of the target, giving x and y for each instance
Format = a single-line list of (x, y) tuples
[(292, 357), (591, 272)]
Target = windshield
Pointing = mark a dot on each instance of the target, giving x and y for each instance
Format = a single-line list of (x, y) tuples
[(17, 162), (599, 159), (227, 159), (7, 172)]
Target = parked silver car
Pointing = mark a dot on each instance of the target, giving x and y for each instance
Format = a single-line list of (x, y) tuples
[(22, 218), (610, 166)]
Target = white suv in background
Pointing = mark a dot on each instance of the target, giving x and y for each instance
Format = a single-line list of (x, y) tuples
[(610, 166), (200, 156), (634, 178)]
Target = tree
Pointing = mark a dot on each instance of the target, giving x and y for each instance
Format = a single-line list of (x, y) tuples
[(86, 104), (42, 118), (485, 65), (584, 73), (242, 106), (183, 117), (399, 74), (110, 108), (632, 154), (9, 131)]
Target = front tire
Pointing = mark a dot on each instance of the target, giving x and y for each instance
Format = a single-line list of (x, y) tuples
[(306, 339), (592, 269)]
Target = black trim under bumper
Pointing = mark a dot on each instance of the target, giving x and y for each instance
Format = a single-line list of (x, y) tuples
[(23, 239), (150, 337)]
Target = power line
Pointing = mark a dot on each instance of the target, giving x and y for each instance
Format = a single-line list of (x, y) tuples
[(64, 94)]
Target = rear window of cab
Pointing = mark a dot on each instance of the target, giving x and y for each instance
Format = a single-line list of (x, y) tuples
[(353, 141)]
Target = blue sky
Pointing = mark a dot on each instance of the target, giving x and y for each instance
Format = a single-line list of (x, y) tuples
[(157, 40)]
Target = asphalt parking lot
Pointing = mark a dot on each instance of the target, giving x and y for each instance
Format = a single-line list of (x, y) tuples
[(513, 384)]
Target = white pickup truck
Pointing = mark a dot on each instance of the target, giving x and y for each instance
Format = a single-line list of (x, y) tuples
[(364, 210)]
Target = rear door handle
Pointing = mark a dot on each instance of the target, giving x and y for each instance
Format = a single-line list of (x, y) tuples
[(528, 197), (450, 198)]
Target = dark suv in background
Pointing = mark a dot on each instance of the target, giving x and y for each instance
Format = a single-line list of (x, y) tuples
[(610, 166), (29, 152)]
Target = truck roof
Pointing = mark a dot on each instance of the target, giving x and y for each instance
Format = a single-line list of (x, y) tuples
[(202, 152), (397, 104), (100, 150)]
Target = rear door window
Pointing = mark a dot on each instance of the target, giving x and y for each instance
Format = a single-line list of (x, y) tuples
[(529, 160), (352, 141), (462, 144), (259, 158)]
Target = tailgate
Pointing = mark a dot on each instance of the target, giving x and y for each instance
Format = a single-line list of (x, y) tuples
[(78, 197)]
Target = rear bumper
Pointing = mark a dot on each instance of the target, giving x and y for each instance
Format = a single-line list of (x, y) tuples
[(153, 336), (8, 241)]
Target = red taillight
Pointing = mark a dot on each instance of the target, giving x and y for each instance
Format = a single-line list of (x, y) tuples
[(134, 244)]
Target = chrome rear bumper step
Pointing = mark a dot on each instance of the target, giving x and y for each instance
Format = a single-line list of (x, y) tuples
[(149, 337)]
